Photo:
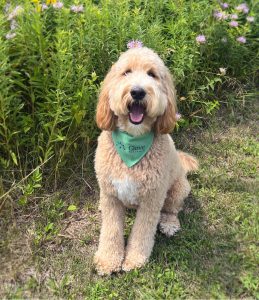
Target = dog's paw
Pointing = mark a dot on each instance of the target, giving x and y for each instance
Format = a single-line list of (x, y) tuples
[(169, 224), (106, 265), (133, 262)]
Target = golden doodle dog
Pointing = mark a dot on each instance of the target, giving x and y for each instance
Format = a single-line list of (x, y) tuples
[(136, 163)]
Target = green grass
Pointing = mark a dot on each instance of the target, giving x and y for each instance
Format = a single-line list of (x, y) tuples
[(214, 256)]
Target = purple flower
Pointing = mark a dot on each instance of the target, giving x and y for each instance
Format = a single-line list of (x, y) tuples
[(134, 44), (201, 39), (234, 16), (17, 10), (243, 8), (10, 35), (233, 24), (58, 5), (241, 39), (250, 19), (178, 116), (77, 8), (13, 25), (224, 5), (220, 15), (44, 6)]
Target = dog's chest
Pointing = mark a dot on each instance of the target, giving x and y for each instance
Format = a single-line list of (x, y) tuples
[(126, 189)]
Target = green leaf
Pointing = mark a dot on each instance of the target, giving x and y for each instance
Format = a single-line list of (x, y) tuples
[(22, 201), (71, 207), (49, 227), (14, 158), (79, 116), (37, 185)]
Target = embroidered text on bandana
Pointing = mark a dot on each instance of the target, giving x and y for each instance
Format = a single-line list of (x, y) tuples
[(130, 148)]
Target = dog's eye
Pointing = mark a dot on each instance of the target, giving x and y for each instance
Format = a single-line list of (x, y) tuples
[(127, 72), (151, 74)]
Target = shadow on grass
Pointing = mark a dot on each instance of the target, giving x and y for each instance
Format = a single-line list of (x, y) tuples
[(201, 254)]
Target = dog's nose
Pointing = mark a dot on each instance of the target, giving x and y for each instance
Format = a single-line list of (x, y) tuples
[(137, 93)]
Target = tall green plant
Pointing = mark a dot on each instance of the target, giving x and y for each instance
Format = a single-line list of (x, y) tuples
[(54, 58)]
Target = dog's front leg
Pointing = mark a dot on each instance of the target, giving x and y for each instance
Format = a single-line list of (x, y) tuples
[(141, 240), (110, 253)]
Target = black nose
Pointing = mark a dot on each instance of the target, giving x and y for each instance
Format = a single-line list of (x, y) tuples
[(137, 93)]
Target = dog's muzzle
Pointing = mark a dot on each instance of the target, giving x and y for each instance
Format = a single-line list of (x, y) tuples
[(137, 93), (137, 108), (136, 112)]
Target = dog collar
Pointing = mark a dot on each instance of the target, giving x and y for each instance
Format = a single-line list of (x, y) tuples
[(132, 149)]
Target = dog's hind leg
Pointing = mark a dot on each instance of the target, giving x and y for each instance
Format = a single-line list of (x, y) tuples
[(169, 223)]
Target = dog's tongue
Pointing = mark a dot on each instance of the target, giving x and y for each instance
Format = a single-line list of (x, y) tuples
[(136, 113)]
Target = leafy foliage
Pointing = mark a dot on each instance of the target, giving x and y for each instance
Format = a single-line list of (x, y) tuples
[(53, 61)]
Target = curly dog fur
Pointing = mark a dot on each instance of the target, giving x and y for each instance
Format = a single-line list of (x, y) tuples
[(157, 185)]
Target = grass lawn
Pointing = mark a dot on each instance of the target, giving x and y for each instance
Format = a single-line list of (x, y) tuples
[(46, 250)]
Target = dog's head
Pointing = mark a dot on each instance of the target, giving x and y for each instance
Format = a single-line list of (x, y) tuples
[(137, 95)]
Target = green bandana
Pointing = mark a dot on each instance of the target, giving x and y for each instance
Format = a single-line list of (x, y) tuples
[(130, 148)]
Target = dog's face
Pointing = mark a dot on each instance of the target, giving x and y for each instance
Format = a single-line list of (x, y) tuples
[(137, 95)]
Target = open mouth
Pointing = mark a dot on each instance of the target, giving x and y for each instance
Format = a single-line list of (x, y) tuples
[(136, 113)]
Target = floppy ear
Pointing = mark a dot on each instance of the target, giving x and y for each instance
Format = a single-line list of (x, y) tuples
[(166, 122), (105, 117)]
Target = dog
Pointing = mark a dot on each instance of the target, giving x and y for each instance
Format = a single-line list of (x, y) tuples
[(137, 99)]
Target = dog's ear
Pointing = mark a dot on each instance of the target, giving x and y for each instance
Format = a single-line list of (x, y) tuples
[(166, 122), (105, 118)]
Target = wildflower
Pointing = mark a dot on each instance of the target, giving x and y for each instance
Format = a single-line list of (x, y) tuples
[(224, 5), (44, 6), (250, 19), (234, 17), (222, 71), (243, 8), (224, 40), (241, 39), (38, 5), (51, 2), (178, 116), (77, 8), (17, 10), (58, 5), (246, 10), (134, 44), (233, 24), (10, 35), (13, 25), (220, 15), (201, 39)]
